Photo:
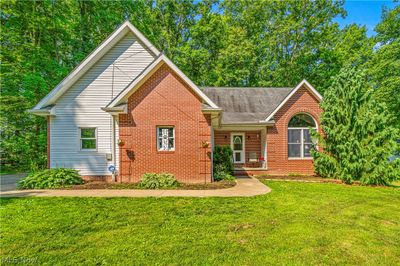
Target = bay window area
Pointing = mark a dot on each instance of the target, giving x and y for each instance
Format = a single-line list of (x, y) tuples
[(299, 139)]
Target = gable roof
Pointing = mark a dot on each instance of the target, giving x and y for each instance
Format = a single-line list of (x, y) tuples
[(91, 59), (252, 105), (246, 105), (301, 84), (147, 72)]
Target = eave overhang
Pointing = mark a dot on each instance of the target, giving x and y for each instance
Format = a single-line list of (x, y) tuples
[(47, 111), (120, 109)]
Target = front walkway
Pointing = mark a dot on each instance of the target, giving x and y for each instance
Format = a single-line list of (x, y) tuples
[(245, 187)]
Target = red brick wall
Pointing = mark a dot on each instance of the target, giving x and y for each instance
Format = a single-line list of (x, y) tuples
[(165, 100), (277, 147), (252, 143)]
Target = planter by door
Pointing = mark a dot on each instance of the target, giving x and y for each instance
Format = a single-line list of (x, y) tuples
[(237, 145)]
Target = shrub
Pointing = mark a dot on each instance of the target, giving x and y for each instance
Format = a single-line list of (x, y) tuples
[(155, 181), (51, 178), (222, 163), (221, 174), (358, 137)]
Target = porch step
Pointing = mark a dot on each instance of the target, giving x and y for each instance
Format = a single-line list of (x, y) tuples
[(249, 171)]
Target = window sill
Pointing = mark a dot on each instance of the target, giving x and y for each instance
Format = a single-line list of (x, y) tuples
[(300, 158), (165, 152), (88, 151)]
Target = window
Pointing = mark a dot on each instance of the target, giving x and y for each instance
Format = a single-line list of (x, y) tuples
[(299, 138), (237, 145), (165, 138), (88, 138)]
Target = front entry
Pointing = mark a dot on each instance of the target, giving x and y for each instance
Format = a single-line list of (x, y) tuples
[(237, 145)]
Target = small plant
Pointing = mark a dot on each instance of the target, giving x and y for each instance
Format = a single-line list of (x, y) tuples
[(51, 178), (156, 181), (221, 174), (229, 177)]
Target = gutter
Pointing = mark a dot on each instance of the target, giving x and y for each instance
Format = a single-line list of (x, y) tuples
[(43, 112)]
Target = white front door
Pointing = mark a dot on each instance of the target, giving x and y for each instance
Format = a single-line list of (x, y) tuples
[(237, 145)]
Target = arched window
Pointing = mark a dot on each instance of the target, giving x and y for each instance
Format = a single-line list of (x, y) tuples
[(299, 138)]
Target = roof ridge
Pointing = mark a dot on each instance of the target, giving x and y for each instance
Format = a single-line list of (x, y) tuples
[(246, 87)]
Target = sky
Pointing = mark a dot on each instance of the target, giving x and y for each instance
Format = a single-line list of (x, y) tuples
[(366, 13)]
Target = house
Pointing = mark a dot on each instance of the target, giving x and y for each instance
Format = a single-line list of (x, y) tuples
[(127, 110)]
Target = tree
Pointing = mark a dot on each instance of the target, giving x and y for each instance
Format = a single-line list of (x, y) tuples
[(384, 67), (358, 139)]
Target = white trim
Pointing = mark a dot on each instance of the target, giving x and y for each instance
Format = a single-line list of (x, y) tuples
[(212, 153), (128, 91), (240, 128), (303, 82), (243, 153), (91, 59), (113, 147), (121, 109), (264, 134)]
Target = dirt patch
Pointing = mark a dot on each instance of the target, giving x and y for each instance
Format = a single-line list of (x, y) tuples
[(104, 185)]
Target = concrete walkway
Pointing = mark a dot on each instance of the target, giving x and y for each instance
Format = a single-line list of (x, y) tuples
[(245, 187)]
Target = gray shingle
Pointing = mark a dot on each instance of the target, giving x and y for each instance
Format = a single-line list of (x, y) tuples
[(246, 105)]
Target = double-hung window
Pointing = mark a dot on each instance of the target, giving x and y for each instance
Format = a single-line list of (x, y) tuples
[(299, 138), (165, 138), (88, 138)]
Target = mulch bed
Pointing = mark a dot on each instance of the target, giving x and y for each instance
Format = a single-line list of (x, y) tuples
[(311, 179), (104, 185), (315, 179)]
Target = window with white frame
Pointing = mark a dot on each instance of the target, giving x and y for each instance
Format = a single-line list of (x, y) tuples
[(88, 138), (299, 138), (165, 138)]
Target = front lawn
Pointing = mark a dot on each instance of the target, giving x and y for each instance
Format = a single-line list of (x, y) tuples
[(297, 223)]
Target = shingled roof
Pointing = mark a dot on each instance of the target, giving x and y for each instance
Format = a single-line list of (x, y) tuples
[(246, 105)]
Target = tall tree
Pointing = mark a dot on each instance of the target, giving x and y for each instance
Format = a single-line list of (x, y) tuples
[(358, 139), (384, 67)]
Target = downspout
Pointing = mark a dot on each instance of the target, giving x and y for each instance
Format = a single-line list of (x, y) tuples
[(113, 149), (265, 148), (212, 154)]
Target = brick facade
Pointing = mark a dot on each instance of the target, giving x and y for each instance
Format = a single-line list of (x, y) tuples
[(277, 148), (165, 100)]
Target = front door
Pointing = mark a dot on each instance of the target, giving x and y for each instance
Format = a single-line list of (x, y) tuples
[(237, 145)]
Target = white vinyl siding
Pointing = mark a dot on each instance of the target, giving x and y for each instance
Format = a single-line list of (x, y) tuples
[(80, 107)]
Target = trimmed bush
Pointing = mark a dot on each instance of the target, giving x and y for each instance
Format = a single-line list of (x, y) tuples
[(51, 178), (156, 181), (223, 165)]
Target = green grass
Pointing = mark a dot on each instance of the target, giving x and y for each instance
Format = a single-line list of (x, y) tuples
[(296, 224)]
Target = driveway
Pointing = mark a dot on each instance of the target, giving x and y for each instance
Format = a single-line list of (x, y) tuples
[(9, 182), (245, 187)]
